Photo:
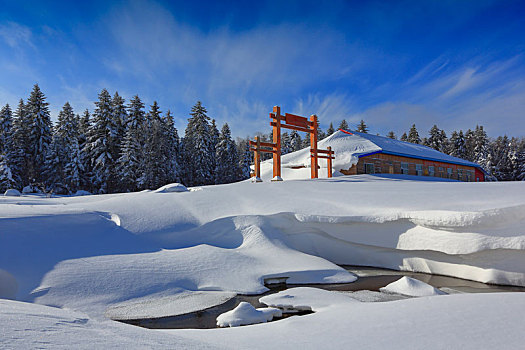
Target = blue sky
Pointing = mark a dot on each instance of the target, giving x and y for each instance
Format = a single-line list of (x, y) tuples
[(392, 63)]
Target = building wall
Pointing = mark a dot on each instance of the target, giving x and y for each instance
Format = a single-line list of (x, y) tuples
[(390, 164)]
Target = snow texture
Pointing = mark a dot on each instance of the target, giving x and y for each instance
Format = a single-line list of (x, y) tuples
[(245, 314), (411, 287)]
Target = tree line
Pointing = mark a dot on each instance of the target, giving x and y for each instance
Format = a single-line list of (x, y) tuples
[(122, 147), (117, 148)]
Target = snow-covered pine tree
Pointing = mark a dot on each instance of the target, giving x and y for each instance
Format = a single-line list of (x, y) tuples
[(40, 133), (286, 143), (481, 149), (227, 169), (470, 144), (320, 135), (245, 159), (362, 127), (199, 151), (172, 140), (67, 137), (102, 147), (520, 176), (343, 125), (434, 138), (391, 135), (155, 152), (120, 117), (84, 125), (413, 135), (17, 156), (457, 144), (404, 137), (214, 132), (443, 140), (330, 130), (130, 163), (6, 123), (295, 141)]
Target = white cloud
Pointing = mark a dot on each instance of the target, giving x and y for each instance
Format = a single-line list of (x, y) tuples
[(16, 35)]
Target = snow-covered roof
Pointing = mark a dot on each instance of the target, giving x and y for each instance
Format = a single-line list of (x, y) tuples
[(407, 149), (349, 146)]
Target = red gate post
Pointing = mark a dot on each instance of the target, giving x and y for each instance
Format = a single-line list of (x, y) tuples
[(313, 146), (257, 160), (277, 148), (329, 166)]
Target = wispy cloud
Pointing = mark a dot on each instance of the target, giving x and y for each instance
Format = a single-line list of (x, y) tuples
[(16, 35)]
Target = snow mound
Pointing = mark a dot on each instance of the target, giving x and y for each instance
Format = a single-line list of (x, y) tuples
[(412, 287), (305, 299), (12, 193), (82, 193), (245, 314), (174, 187)]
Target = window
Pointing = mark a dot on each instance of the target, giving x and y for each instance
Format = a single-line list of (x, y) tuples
[(419, 169), (460, 174), (441, 173), (449, 173), (404, 168), (431, 170), (369, 168)]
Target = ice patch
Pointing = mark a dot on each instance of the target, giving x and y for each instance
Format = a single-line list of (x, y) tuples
[(411, 287), (245, 314)]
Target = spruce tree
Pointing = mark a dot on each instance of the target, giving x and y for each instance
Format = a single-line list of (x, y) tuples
[(391, 135), (404, 137), (155, 155), (130, 164), (18, 156), (434, 140), (214, 132), (286, 143), (227, 169), (245, 159), (413, 135), (343, 125), (330, 130), (172, 141), (320, 135), (84, 125), (295, 141), (6, 123), (457, 144), (40, 134), (102, 145), (120, 117), (362, 127), (199, 150)]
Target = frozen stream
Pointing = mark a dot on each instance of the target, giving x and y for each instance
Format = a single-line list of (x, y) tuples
[(370, 279)]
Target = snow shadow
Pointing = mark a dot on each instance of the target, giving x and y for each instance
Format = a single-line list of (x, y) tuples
[(51, 239)]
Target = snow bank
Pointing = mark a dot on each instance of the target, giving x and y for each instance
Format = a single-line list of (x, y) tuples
[(12, 193), (170, 188), (245, 314), (305, 298), (411, 287)]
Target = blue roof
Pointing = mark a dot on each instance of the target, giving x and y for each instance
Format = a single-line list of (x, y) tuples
[(407, 149)]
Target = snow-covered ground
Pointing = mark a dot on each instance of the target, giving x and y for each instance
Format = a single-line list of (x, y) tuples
[(160, 253)]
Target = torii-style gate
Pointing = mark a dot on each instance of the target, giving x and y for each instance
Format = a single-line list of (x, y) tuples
[(294, 122)]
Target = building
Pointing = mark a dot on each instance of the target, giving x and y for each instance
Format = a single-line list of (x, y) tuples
[(373, 154)]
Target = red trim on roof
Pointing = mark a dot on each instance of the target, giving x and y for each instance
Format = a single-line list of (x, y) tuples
[(346, 132)]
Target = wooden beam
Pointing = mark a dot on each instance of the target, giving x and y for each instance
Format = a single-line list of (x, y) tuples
[(264, 144), (324, 151), (291, 127), (329, 165)]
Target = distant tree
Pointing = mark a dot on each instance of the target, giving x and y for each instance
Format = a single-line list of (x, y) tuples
[(362, 127), (404, 137), (245, 159), (320, 135), (343, 125), (391, 135), (6, 123), (330, 130), (413, 135), (227, 158), (457, 144), (295, 141), (173, 148)]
